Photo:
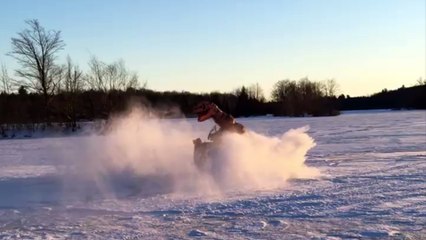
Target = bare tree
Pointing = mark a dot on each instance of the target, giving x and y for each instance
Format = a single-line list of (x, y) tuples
[(331, 88), (114, 76), (298, 97), (5, 80), (95, 78), (126, 79), (286, 93), (256, 92), (283, 89), (73, 78), (73, 83), (35, 49), (133, 82)]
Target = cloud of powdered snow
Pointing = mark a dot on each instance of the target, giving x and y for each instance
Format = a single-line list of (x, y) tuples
[(256, 161), (157, 155)]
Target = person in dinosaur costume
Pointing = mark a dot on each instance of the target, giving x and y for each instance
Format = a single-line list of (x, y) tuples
[(206, 110)]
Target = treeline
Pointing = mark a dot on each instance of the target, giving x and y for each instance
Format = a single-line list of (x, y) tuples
[(90, 104), (402, 98), (290, 98)]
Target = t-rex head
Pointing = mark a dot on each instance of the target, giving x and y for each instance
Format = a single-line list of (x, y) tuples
[(204, 110)]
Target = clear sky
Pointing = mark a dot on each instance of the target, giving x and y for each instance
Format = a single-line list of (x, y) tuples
[(201, 45)]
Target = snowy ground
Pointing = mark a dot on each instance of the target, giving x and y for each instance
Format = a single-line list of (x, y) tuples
[(373, 167)]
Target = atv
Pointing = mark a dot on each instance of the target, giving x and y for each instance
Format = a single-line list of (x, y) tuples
[(205, 152)]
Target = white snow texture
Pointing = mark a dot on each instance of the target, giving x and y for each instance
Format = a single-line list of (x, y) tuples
[(363, 177)]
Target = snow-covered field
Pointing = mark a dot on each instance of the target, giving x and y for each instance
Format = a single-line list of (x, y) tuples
[(365, 178)]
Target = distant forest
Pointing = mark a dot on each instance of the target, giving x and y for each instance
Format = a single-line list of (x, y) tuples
[(45, 91)]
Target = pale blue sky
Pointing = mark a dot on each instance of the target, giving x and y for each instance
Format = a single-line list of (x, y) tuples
[(201, 46)]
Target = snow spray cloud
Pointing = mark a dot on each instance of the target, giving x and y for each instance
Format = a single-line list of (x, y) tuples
[(140, 151), (161, 152), (256, 161)]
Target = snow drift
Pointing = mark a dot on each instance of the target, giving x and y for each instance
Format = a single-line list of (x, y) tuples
[(157, 155)]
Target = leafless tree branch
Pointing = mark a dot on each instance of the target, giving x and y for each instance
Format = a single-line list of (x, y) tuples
[(35, 50)]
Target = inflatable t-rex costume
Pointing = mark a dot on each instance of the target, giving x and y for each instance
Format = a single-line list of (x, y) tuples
[(226, 122)]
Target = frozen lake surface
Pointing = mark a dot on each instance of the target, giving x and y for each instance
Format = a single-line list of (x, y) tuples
[(371, 185)]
